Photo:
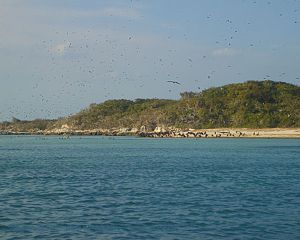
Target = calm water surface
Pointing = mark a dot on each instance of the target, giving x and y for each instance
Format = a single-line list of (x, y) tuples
[(136, 188)]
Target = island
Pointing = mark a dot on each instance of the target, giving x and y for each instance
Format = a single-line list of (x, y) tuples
[(253, 109)]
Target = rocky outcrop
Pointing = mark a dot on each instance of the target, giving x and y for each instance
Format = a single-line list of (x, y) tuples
[(160, 132)]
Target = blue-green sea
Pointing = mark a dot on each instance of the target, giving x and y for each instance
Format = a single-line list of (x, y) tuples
[(139, 188)]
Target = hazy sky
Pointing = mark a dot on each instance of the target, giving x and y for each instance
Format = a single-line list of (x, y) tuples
[(58, 56)]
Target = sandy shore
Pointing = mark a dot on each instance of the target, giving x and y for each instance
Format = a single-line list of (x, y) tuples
[(160, 132), (253, 133)]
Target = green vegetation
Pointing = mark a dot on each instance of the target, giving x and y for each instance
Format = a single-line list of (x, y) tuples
[(122, 113), (18, 125), (253, 104)]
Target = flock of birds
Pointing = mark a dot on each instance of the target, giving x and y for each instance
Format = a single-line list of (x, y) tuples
[(74, 65)]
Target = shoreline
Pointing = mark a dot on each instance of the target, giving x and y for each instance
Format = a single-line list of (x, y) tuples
[(160, 132)]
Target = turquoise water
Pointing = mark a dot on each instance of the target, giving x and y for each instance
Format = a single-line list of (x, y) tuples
[(137, 188)]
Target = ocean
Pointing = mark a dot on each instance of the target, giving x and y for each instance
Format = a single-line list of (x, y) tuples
[(141, 188)]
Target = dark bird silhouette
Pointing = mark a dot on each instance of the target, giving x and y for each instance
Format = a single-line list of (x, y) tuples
[(174, 82)]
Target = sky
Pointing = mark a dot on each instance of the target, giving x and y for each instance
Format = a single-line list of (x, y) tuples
[(59, 56)]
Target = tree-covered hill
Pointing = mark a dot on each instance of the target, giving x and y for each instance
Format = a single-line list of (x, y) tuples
[(122, 113), (17, 125), (256, 104), (253, 104)]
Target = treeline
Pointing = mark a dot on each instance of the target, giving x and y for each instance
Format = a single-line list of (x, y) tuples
[(253, 104), (26, 126)]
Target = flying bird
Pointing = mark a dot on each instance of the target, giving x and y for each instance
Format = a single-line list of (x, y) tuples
[(174, 82)]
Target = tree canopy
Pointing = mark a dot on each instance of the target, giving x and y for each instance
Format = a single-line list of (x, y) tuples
[(253, 104)]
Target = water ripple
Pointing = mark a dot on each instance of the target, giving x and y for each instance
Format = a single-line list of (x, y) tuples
[(131, 188)]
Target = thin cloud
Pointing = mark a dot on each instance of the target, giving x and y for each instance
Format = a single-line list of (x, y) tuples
[(121, 12), (224, 52), (60, 48), (127, 13)]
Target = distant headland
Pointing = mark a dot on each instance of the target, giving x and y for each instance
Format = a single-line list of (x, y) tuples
[(249, 109)]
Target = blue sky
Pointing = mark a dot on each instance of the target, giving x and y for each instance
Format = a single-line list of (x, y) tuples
[(58, 56)]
